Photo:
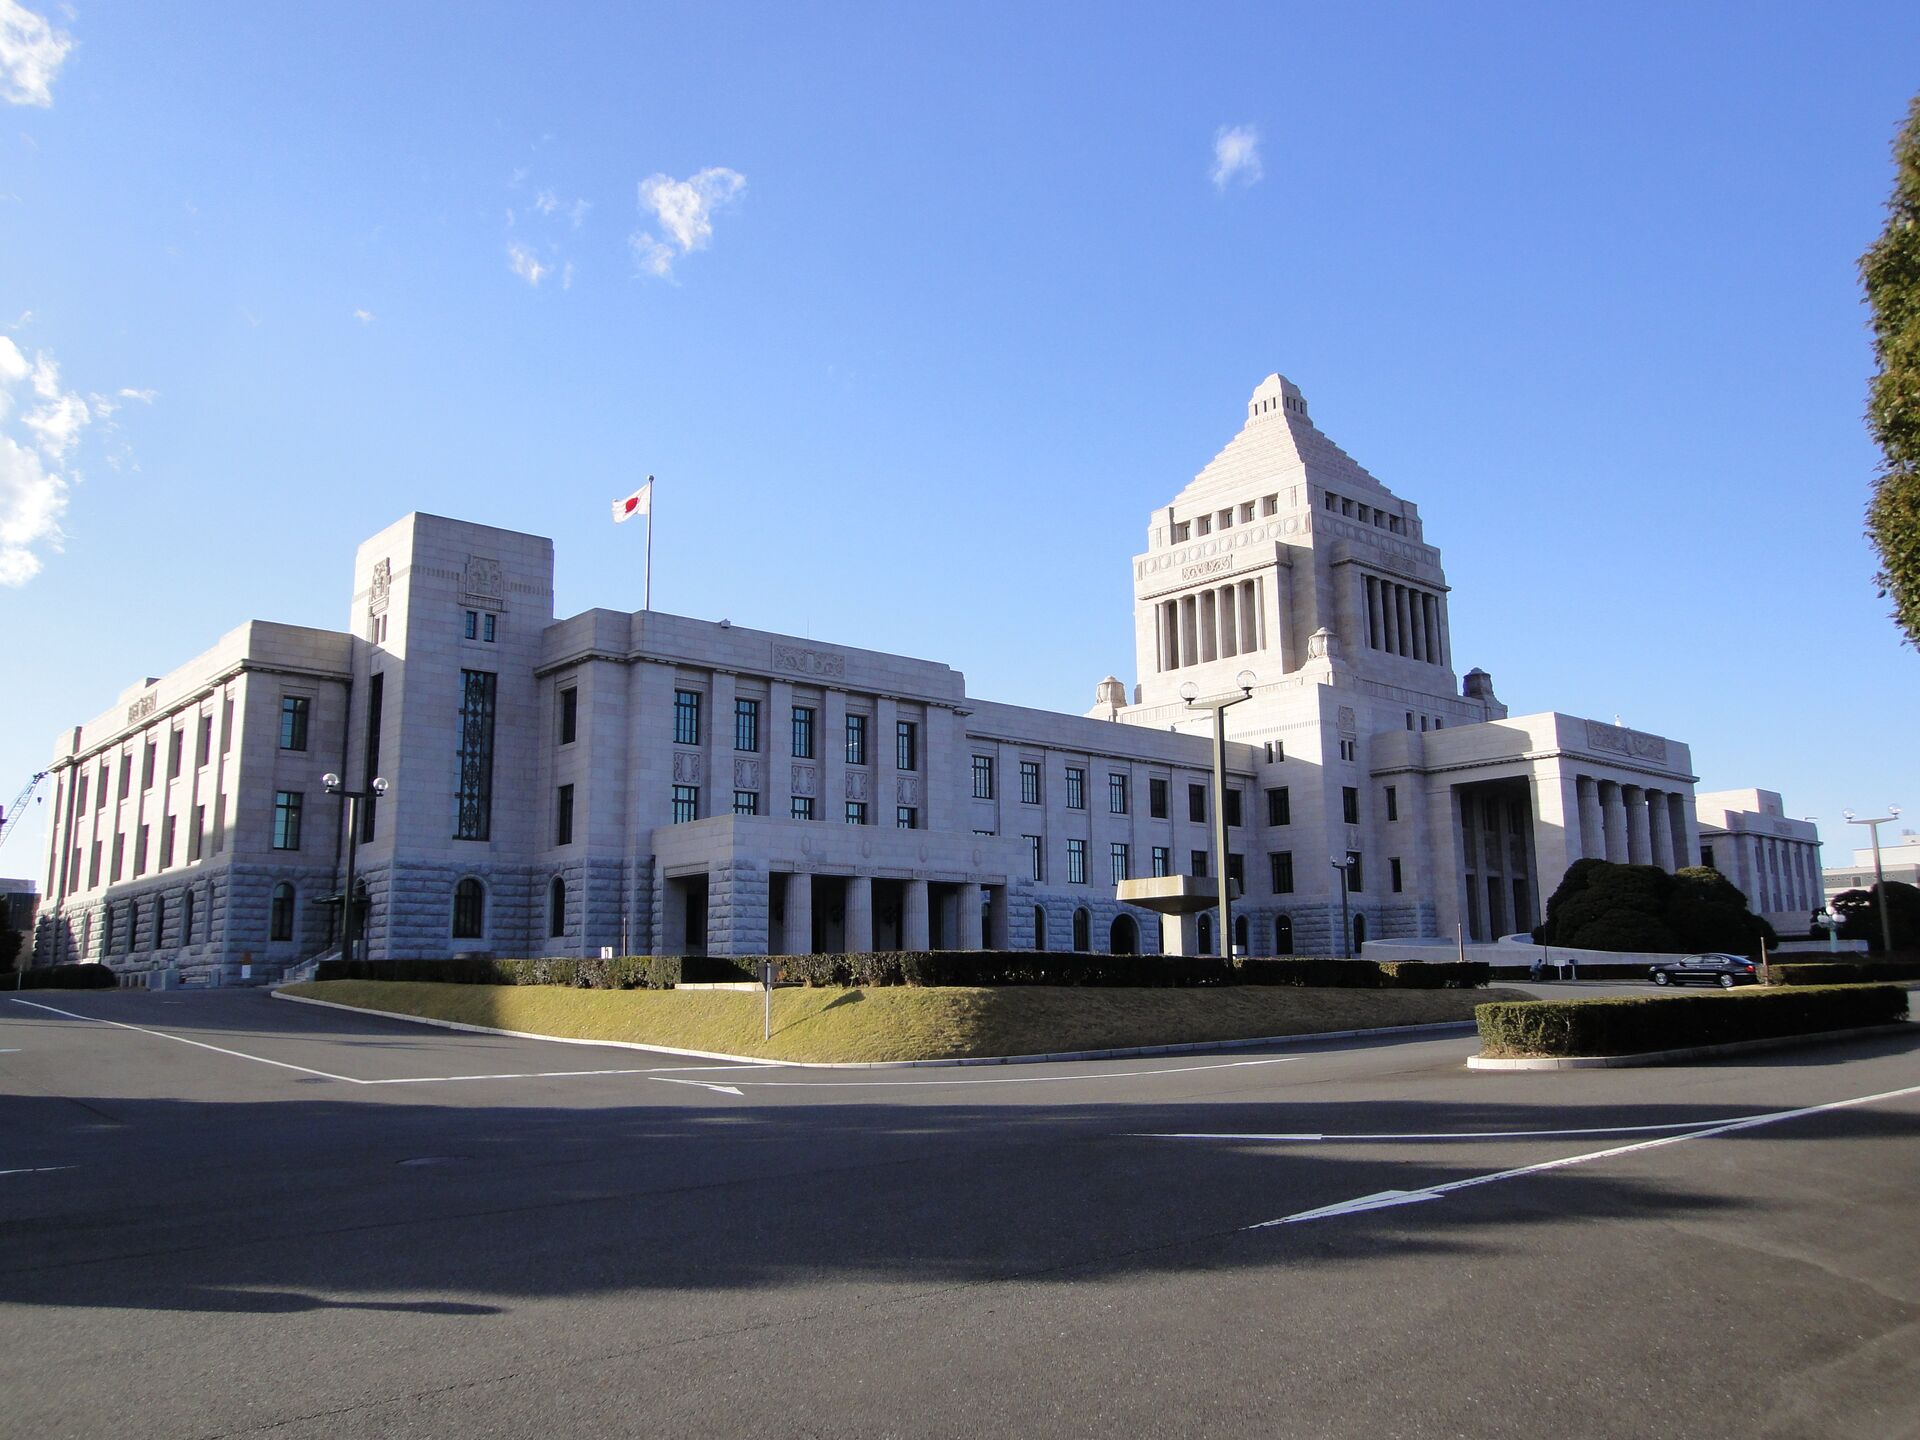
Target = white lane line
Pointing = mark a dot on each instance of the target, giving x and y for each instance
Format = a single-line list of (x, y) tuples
[(546, 1075), (1014, 1079), (198, 1044), (702, 1084), (1386, 1199), (36, 1170), (1447, 1135)]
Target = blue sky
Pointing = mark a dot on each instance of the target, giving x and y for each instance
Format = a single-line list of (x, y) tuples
[(917, 311)]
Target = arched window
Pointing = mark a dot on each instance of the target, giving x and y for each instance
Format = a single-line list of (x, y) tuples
[(557, 908), (280, 917), (1082, 929), (469, 909), (1283, 935), (1039, 928), (186, 918), (106, 931), (1124, 937), (1242, 941), (1359, 932), (1205, 927), (159, 921)]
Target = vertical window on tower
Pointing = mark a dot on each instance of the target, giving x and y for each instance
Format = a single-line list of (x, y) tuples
[(204, 750), (1036, 857), (286, 819), (489, 624), (983, 777), (1233, 808), (1393, 805), (1280, 866), (1162, 861), (1116, 793), (803, 733), (746, 725), (1076, 788), (906, 746), (1029, 782), (293, 722), (856, 740), (473, 814), (1157, 798), (1350, 804), (563, 816), (686, 717), (472, 628), (1279, 806), (146, 765), (1076, 862), (1393, 873), (176, 743), (569, 715), (1197, 804), (376, 693)]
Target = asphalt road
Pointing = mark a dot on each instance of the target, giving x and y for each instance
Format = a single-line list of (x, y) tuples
[(246, 1217)]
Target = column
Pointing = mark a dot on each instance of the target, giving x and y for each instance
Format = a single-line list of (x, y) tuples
[(1229, 622), (1418, 637), (914, 934), (1440, 626), (1593, 832), (1659, 830), (1209, 626), (1430, 613), (970, 929), (859, 914), (1686, 844), (1614, 813), (1373, 613), (1638, 849), (797, 938), (1249, 618), (1189, 630), (998, 919)]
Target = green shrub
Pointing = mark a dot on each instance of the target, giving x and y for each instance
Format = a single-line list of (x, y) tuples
[(68, 977), (1672, 1022), (1839, 972), (1860, 910), (1604, 906)]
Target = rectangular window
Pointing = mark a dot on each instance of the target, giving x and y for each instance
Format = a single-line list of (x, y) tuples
[(1116, 793), (140, 851), (1280, 868), (146, 764), (293, 722), (746, 802), (1076, 789), (983, 777), (1279, 806), (472, 630), (856, 812), (1157, 799), (1350, 804), (1162, 861), (569, 715), (286, 819), (1393, 873), (686, 803), (905, 817), (1118, 859), (803, 732), (1036, 857), (1076, 862), (473, 812), (1349, 750), (906, 746), (226, 726), (1029, 782), (194, 840), (1233, 808), (563, 816), (1197, 804), (376, 694), (80, 794), (100, 800), (1197, 863), (1237, 872), (1393, 807), (204, 750), (176, 747), (166, 842), (686, 717), (746, 726), (93, 867), (126, 775), (1354, 882), (489, 625), (856, 740), (801, 807)]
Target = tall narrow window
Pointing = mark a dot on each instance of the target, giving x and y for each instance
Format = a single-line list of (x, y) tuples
[(803, 732), (1197, 804), (557, 909), (1393, 873), (1280, 866), (686, 803), (119, 858), (983, 777), (1350, 804), (1120, 862), (563, 816), (140, 850), (1233, 808), (1076, 788), (1393, 806), (203, 750), (376, 696), (1036, 855), (489, 627), (1197, 863), (1279, 806), (280, 921), (746, 802), (176, 743), (1162, 861), (569, 714), (906, 745), (469, 909), (1029, 782), (472, 629), (1157, 798), (186, 918), (1116, 793), (1076, 862), (286, 819), (293, 721), (473, 816), (856, 739), (686, 717), (1354, 881), (746, 725), (146, 764)]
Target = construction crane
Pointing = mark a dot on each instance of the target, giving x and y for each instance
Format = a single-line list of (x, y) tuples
[(10, 816)]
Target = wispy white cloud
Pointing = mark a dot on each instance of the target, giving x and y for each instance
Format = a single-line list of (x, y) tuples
[(31, 54), (1236, 156), (526, 264), (684, 210), (365, 317)]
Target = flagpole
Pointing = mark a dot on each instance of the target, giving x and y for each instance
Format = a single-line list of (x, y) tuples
[(646, 593)]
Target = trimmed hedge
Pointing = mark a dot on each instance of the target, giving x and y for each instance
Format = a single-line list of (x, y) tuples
[(623, 972), (1600, 970), (68, 977), (1839, 972), (1672, 1022)]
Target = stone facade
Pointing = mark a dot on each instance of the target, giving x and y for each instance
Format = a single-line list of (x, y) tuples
[(645, 782), (1775, 860)]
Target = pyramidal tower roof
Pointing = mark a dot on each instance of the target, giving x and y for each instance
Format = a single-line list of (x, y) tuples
[(1279, 441)]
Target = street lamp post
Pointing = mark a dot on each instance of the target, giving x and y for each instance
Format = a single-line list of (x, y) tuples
[(1346, 924), (1220, 704), (376, 786), (1879, 875)]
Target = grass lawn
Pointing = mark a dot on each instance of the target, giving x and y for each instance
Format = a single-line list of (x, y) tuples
[(906, 1023)]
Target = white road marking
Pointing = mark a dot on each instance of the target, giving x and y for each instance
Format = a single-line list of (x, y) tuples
[(36, 1170), (1015, 1079), (702, 1084), (198, 1044), (1449, 1135), (544, 1075), (1385, 1199)]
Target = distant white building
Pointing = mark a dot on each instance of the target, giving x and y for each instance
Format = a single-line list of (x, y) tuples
[(1899, 860), (656, 783), (1775, 860)]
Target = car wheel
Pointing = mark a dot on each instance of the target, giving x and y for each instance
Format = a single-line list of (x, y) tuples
[(1660, 977), (1726, 982)]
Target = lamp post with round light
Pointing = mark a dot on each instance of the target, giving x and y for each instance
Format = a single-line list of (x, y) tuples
[(1220, 704), (1879, 875), (1340, 863), (375, 787)]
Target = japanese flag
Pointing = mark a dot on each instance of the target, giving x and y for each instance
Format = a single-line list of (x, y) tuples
[(640, 502)]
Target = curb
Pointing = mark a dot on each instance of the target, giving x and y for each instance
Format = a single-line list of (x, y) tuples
[(1673, 1057), (1197, 1047)]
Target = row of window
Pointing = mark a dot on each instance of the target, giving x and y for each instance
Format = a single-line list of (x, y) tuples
[(1223, 519), (686, 808), (176, 743), (687, 729), (1365, 514)]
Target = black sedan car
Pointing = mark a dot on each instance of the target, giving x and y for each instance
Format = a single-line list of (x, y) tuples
[(1726, 971)]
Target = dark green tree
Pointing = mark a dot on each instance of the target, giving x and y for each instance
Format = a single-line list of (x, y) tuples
[(1859, 909), (1891, 270), (1604, 906)]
